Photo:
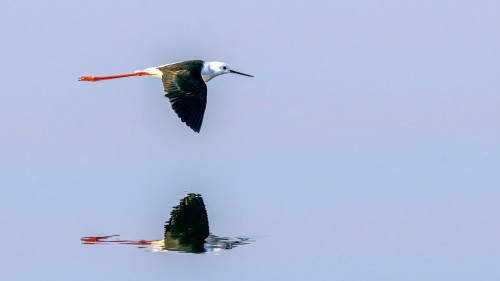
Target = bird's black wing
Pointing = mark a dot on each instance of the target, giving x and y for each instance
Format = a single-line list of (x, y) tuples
[(187, 93)]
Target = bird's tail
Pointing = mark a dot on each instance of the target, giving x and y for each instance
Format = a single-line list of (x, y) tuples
[(152, 71)]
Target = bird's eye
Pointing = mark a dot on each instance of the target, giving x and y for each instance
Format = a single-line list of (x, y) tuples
[(224, 67)]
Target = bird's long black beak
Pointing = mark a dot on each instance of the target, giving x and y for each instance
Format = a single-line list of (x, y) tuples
[(232, 71)]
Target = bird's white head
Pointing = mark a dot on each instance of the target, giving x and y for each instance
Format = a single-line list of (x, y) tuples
[(216, 68)]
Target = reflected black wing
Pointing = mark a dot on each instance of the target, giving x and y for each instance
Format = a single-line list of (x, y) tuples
[(188, 220), (187, 92)]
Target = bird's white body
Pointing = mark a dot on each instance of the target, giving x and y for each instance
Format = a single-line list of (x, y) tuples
[(208, 71)]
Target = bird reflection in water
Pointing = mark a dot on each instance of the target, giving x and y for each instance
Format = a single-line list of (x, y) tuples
[(186, 231)]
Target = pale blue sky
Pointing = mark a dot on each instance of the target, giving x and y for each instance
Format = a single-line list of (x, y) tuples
[(365, 148)]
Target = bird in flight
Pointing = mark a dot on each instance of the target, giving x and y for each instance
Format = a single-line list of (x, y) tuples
[(184, 84)]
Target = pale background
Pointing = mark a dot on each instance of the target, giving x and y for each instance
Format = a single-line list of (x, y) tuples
[(365, 148)]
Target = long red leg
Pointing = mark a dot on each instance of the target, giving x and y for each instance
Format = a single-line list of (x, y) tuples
[(90, 78)]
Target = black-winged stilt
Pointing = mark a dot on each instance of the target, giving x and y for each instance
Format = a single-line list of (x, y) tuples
[(184, 83)]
